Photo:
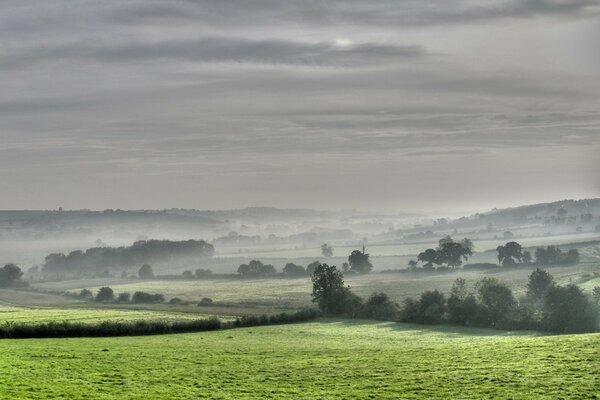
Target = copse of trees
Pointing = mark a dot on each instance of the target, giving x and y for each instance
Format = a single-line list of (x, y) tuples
[(256, 269), (292, 269), (105, 294), (448, 252), (10, 275), (143, 297), (546, 306), (553, 255), (359, 262), (143, 251)]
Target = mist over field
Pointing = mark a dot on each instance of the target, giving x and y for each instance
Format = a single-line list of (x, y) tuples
[(299, 199)]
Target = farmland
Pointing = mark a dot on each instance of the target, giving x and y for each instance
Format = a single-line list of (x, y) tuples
[(22, 315), (324, 359), (295, 292)]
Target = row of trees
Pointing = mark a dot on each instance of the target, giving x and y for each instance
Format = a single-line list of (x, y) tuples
[(358, 263), (512, 253), (107, 295), (142, 251), (546, 306), (449, 252)]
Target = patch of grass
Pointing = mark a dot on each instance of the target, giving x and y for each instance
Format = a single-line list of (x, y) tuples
[(326, 359)]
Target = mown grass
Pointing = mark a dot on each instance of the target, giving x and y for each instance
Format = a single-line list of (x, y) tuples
[(317, 360)]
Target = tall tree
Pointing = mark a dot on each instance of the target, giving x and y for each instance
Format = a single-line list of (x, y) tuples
[(359, 262)]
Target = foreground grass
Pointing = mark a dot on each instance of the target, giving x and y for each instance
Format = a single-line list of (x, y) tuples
[(325, 359)]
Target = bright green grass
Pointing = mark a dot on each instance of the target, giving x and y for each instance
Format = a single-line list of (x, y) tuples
[(23, 315), (318, 360)]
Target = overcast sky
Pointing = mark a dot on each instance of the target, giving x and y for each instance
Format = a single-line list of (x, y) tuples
[(408, 105)]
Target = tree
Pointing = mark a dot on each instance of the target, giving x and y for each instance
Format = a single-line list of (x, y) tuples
[(326, 250), (10, 274), (310, 268), (567, 310), (497, 300), (146, 272), (572, 256), (428, 258), (526, 256), (202, 273), (379, 306), (105, 294), (452, 253), (510, 252), (412, 264), (123, 297), (256, 268), (85, 294), (330, 293), (596, 294), (143, 297), (188, 274), (294, 270), (548, 255), (359, 262), (540, 281), (432, 305)]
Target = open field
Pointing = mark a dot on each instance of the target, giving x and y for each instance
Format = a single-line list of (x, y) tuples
[(22, 315), (295, 292), (324, 359)]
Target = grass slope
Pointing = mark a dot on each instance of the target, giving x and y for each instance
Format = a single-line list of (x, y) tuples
[(319, 360)]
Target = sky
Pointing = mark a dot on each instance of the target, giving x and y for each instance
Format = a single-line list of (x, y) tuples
[(436, 106)]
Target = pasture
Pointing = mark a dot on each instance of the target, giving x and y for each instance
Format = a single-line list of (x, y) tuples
[(288, 293), (22, 315), (323, 359)]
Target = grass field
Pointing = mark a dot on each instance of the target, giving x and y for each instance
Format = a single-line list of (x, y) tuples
[(291, 293), (319, 360), (22, 315)]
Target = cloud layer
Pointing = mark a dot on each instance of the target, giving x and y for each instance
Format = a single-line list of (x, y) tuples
[(219, 104)]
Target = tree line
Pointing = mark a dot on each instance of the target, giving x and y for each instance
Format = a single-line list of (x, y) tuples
[(143, 251), (490, 303)]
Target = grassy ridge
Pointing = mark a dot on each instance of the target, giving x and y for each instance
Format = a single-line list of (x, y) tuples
[(325, 359)]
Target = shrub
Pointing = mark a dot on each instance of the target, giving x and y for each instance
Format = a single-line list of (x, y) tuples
[(143, 297), (379, 306), (567, 310), (123, 297), (205, 301), (176, 301), (86, 294), (105, 294), (145, 272), (10, 275)]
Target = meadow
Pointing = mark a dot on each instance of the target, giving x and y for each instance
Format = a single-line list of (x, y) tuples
[(315, 360), (295, 292), (23, 315)]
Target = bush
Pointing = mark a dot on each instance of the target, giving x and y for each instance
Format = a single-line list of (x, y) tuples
[(146, 272), (205, 301), (379, 306), (85, 294), (105, 294), (176, 301), (567, 310), (429, 309), (123, 297), (143, 297), (10, 275)]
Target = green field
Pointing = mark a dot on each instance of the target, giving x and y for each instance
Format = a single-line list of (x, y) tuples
[(22, 315), (295, 292), (318, 360)]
